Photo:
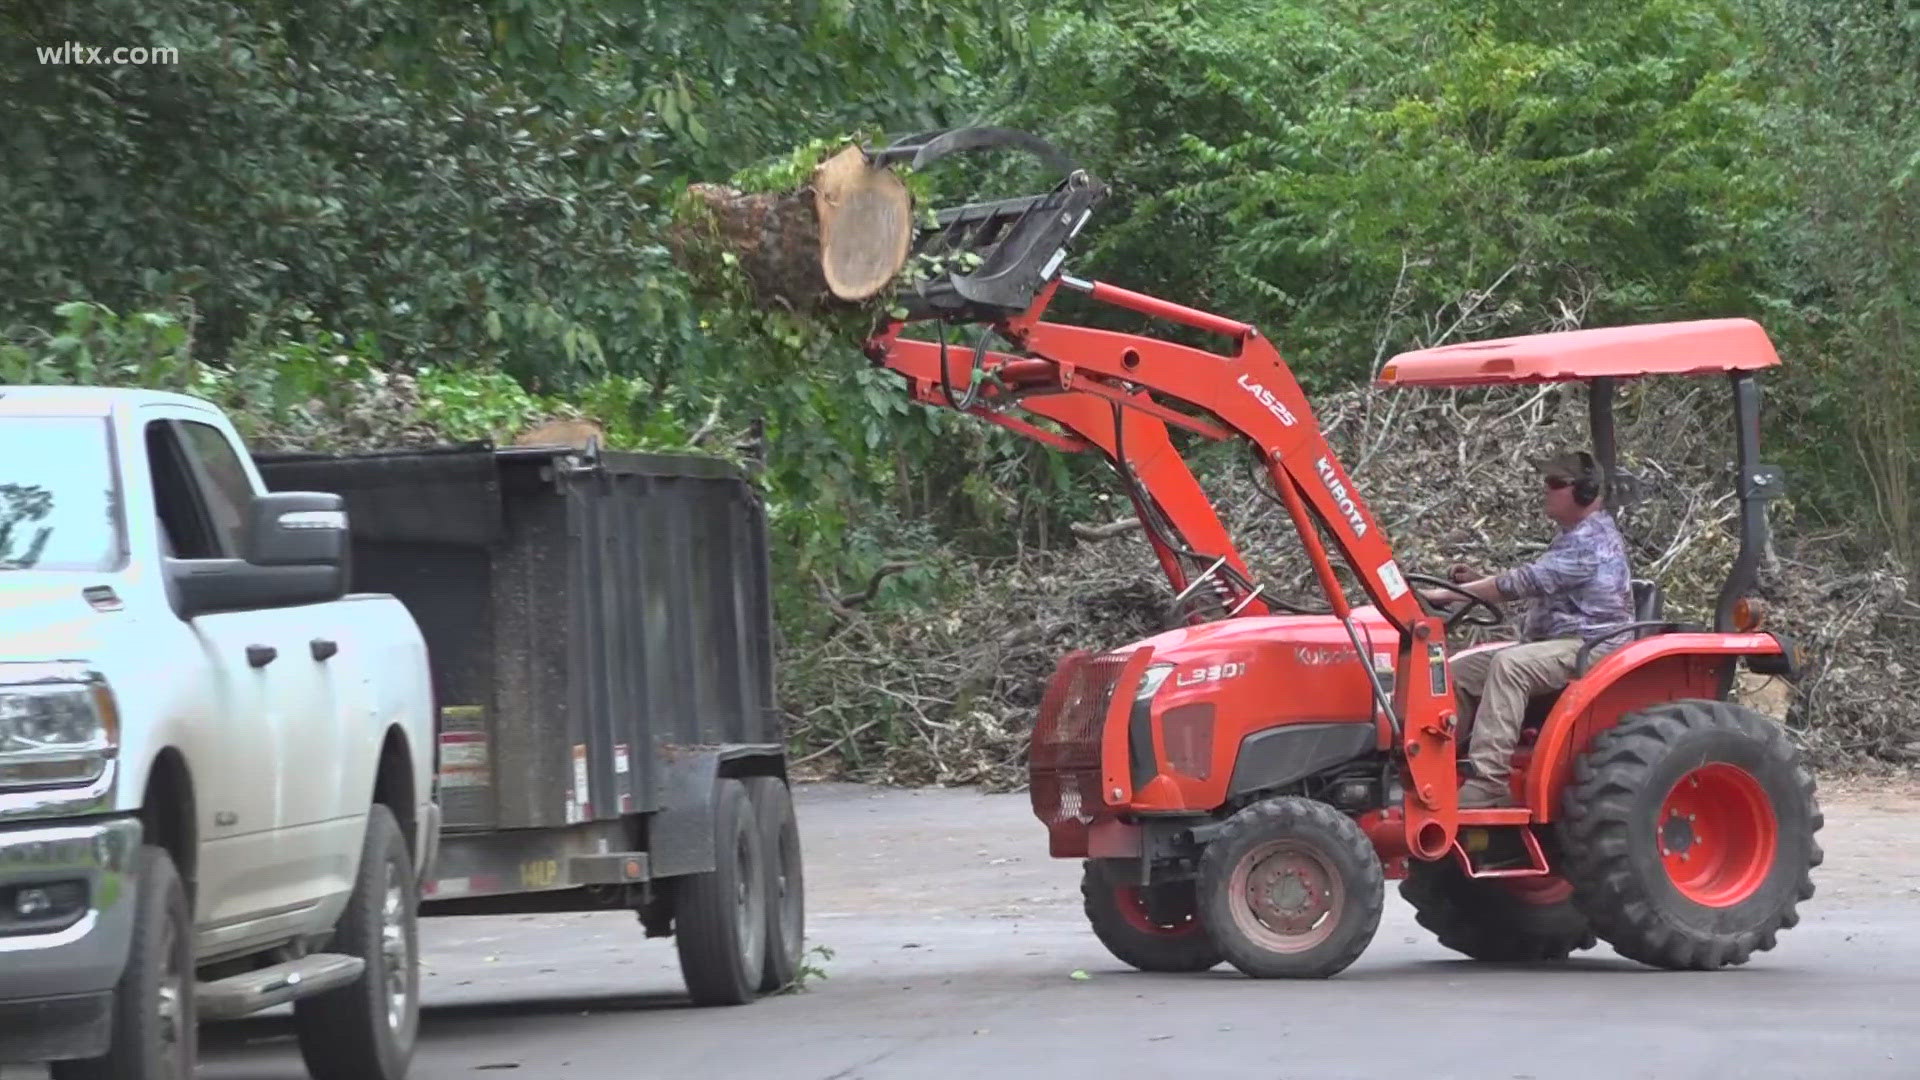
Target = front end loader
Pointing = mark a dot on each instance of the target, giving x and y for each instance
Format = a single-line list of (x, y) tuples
[(1241, 786)]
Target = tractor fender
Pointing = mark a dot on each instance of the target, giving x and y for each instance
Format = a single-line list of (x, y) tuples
[(1664, 667)]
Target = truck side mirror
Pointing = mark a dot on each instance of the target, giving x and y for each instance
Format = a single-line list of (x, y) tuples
[(296, 552), (297, 528)]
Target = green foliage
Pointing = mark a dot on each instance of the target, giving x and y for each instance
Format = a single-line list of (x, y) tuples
[(417, 219), (1365, 181), (1842, 248)]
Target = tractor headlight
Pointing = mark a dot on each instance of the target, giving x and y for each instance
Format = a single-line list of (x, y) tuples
[(1150, 681), (55, 734)]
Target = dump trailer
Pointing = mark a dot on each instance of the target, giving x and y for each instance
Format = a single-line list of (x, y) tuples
[(600, 629)]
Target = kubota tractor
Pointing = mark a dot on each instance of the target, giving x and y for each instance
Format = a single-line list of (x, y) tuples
[(1241, 786)]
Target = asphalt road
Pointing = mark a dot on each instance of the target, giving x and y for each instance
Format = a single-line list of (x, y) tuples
[(955, 941)]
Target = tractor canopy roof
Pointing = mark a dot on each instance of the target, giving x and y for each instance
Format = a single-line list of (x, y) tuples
[(1701, 347)]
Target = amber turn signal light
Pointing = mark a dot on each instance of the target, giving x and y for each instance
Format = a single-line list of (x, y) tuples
[(1748, 614)]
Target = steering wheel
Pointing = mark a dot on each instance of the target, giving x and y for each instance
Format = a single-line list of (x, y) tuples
[(1494, 616)]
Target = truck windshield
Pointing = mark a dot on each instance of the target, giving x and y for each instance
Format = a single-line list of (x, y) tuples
[(59, 505)]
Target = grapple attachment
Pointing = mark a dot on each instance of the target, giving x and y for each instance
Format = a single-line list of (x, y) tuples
[(988, 260)]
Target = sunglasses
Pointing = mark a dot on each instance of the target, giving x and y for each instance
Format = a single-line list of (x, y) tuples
[(1558, 482)]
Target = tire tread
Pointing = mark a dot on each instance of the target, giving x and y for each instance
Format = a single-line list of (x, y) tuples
[(1596, 835)]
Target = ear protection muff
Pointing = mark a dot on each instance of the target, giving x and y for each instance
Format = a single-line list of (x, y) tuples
[(1586, 487)]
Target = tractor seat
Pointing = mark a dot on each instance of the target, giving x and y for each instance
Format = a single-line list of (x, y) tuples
[(1649, 603)]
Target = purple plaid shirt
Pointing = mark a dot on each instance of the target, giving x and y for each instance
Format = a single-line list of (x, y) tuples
[(1578, 586)]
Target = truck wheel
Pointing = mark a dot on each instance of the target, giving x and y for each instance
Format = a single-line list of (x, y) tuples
[(1123, 924), (1497, 919), (1291, 889), (720, 917), (1689, 834), (155, 1031), (366, 1029), (786, 883)]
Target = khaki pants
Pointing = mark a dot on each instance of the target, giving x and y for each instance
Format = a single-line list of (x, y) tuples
[(1501, 680)]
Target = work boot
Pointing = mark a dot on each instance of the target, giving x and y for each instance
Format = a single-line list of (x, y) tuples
[(1481, 794)]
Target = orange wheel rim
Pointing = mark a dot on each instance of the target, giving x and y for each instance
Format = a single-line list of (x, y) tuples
[(1539, 891), (1717, 835), (1133, 910)]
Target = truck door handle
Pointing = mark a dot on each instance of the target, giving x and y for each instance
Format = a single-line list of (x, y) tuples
[(322, 648), (261, 655)]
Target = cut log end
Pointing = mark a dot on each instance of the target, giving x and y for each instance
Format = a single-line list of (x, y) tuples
[(842, 239), (866, 224)]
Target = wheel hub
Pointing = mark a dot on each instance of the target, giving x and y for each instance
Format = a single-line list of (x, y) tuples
[(1677, 835), (170, 1007), (1290, 894), (395, 954)]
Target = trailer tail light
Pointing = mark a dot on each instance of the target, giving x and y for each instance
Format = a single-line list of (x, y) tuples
[(1064, 755), (1187, 733)]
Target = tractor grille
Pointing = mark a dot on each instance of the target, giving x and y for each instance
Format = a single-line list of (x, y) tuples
[(1063, 759)]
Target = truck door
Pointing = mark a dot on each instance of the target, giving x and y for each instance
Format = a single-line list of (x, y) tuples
[(247, 740)]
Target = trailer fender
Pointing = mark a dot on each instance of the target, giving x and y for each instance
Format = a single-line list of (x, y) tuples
[(680, 834)]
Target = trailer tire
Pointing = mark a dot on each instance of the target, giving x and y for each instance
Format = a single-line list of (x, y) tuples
[(786, 881), (150, 1040), (720, 917), (366, 1030)]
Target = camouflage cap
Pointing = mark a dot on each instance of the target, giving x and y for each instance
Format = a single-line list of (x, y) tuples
[(1570, 465)]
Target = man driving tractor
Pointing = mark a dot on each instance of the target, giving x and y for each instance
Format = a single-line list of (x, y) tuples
[(1579, 587)]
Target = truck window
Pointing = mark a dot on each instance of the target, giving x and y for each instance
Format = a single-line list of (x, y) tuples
[(59, 503), (188, 525), (223, 481)]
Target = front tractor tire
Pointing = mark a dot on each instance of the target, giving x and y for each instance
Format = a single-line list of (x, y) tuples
[(1499, 920), (1165, 937), (1291, 889), (1689, 832)]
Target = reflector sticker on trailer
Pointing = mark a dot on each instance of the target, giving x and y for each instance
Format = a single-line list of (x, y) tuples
[(622, 765), (459, 886), (581, 788)]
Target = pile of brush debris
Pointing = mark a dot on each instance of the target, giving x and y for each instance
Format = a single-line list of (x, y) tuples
[(913, 700)]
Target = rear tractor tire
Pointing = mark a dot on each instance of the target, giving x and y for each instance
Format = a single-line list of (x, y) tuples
[(1689, 832), (1500, 920), (1291, 889), (1175, 941)]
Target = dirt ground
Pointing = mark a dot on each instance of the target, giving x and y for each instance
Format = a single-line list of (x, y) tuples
[(1872, 839)]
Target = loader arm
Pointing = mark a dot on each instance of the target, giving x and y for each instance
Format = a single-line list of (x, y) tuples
[(1117, 393), (1178, 519)]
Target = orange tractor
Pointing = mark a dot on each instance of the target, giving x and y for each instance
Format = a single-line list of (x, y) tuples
[(1242, 786)]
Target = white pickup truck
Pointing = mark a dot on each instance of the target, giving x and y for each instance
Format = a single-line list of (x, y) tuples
[(216, 766)]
